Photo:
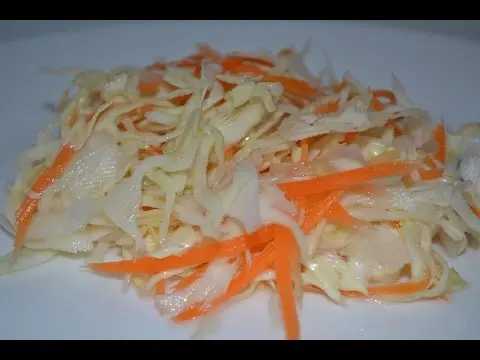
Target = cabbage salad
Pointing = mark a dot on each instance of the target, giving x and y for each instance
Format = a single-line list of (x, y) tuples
[(218, 174)]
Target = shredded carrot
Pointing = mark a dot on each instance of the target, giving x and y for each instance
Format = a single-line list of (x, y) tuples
[(286, 51), (317, 209), (151, 87), (336, 88), (239, 283), (397, 130), (336, 213), (430, 174), (429, 162), (292, 85), (346, 179), (148, 208), (382, 290), (285, 261), (157, 66), (378, 105), (180, 100), (349, 137), (475, 210), (160, 287), (327, 108), (201, 254), (25, 213), (440, 137), (234, 61)]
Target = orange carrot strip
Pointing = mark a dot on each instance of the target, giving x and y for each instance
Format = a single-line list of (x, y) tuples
[(199, 255), (346, 179), (339, 87), (397, 129), (440, 137), (315, 212), (327, 108), (382, 290), (393, 289), (151, 87), (156, 66), (430, 174), (292, 85), (241, 281), (285, 51), (186, 63), (304, 149), (475, 210), (25, 213), (285, 248), (235, 60), (336, 213), (245, 68), (230, 152), (198, 71), (160, 287), (180, 100), (148, 208), (429, 162), (295, 100), (378, 105), (390, 96), (349, 137)]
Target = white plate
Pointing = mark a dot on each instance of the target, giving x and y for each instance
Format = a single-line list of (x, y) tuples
[(61, 300)]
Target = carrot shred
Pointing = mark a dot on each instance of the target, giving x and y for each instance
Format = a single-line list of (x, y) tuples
[(239, 283), (157, 66), (292, 85), (147, 88), (180, 100), (336, 213), (430, 174), (285, 261), (346, 179), (195, 256), (378, 105), (327, 108), (286, 51), (235, 60), (27, 209), (317, 210), (160, 287), (475, 210), (349, 137), (440, 137), (382, 290)]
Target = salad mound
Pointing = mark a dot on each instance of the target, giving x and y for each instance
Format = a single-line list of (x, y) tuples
[(217, 173)]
